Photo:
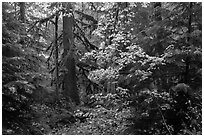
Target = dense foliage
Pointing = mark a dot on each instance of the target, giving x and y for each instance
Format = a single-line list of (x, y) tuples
[(138, 68)]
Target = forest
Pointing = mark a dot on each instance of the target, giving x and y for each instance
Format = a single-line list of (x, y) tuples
[(101, 68)]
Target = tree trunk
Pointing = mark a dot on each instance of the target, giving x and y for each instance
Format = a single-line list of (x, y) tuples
[(70, 85), (157, 13), (56, 58), (187, 60), (189, 22), (15, 5), (23, 20), (158, 46), (22, 11)]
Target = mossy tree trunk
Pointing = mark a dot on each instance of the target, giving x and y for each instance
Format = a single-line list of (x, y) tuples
[(70, 84)]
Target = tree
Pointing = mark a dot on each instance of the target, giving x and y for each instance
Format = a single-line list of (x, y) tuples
[(56, 58), (22, 11), (20, 67), (70, 85)]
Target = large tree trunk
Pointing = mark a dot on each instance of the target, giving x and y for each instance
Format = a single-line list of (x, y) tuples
[(70, 85)]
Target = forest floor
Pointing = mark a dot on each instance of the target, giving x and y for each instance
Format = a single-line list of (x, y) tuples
[(80, 121), (62, 118)]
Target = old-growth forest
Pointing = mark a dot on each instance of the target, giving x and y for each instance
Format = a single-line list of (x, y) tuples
[(101, 68)]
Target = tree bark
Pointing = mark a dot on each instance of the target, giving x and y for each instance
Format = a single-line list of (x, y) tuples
[(158, 46), (56, 59), (15, 5), (22, 11), (70, 84), (23, 20), (187, 60), (157, 13), (189, 22)]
